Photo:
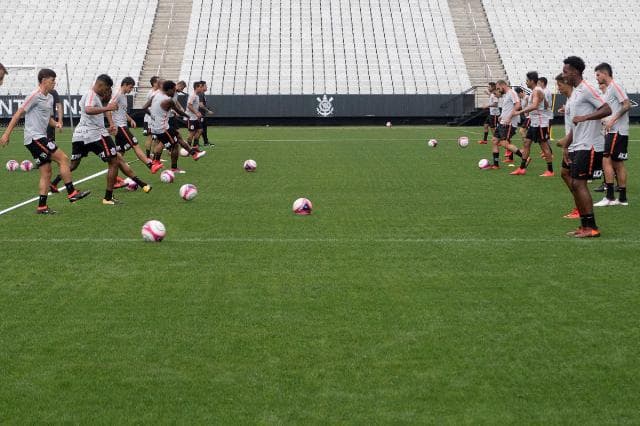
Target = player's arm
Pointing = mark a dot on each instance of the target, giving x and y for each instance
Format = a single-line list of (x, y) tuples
[(55, 124), (146, 106), (131, 121), (603, 111), (112, 126), (4, 139), (170, 104), (194, 111), (516, 107), (533, 105), (626, 106), (92, 110)]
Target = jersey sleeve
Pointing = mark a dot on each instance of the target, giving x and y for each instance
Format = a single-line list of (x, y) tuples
[(30, 101), (619, 93), (593, 98)]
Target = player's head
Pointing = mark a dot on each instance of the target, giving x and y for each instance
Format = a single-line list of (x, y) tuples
[(542, 82), (103, 85), (502, 86), (603, 87), (169, 88), (197, 86), (563, 87), (127, 85), (154, 81), (492, 85), (180, 85), (47, 79), (604, 73), (520, 92), (532, 79), (204, 85), (3, 72), (573, 69), (106, 96)]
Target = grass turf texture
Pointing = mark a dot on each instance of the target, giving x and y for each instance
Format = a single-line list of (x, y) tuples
[(422, 289)]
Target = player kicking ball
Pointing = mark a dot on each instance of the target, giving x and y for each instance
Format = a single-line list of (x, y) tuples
[(37, 110)]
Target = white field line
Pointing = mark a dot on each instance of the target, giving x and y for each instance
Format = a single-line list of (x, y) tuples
[(461, 240)]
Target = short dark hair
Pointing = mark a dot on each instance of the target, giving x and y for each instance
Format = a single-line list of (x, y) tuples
[(196, 84), (605, 67), (544, 80), (105, 79), (45, 73), (518, 90), (560, 77), (492, 83), (576, 63), (154, 80), (501, 82), (533, 76), (168, 85), (202, 82), (128, 81)]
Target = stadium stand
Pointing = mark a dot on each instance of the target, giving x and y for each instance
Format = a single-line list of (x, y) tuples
[(316, 47), (538, 36), (91, 36)]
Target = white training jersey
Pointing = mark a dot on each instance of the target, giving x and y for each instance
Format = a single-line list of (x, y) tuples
[(615, 96), (548, 97), (193, 102), (538, 116), (494, 110), (508, 105), (90, 128), (586, 135), (159, 116), (567, 114), (150, 94), (38, 109), (120, 115)]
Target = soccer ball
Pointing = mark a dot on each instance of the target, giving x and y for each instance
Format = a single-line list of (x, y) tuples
[(167, 176), (463, 141), (184, 152), (483, 164), (250, 165), (153, 231), (302, 206), (188, 191), (131, 184), (388, 124), (26, 166), (13, 165), (432, 143)]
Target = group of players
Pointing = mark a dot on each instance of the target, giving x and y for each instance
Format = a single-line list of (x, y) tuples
[(596, 134), (93, 135)]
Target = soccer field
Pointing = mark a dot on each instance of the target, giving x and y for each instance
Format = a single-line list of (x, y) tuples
[(421, 290)]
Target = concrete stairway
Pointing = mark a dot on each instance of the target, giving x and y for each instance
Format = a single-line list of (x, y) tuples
[(166, 45), (479, 50)]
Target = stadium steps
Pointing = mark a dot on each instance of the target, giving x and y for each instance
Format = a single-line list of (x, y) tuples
[(464, 14), (166, 45)]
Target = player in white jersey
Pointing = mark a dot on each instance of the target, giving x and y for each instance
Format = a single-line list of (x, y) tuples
[(508, 122), (156, 83), (538, 131), (37, 110), (585, 142), (90, 135), (494, 112), (616, 130), (194, 123), (566, 90), (158, 108), (548, 97)]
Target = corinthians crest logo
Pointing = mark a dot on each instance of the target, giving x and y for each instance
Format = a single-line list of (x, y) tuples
[(325, 108)]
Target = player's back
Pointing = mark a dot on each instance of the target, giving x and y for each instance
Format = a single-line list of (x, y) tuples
[(159, 116)]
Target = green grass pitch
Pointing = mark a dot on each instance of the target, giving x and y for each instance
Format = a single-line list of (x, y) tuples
[(421, 290)]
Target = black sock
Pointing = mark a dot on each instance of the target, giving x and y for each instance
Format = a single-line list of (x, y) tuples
[(196, 142), (174, 165), (69, 187), (157, 157), (149, 164), (484, 138), (523, 164), (56, 181), (148, 152), (137, 180), (42, 201), (623, 194), (519, 153), (588, 221), (550, 166), (496, 158), (192, 151), (610, 189), (108, 195)]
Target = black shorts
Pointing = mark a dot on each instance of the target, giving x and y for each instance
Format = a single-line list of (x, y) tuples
[(504, 132), (615, 146), (125, 140), (104, 148), (585, 164), (51, 133), (491, 121), (194, 125), (145, 129), (168, 139), (538, 134), (175, 122), (78, 150), (41, 150), (525, 121)]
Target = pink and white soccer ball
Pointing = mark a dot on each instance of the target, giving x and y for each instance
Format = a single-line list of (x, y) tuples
[(131, 184), (188, 191), (483, 164), (302, 206), (388, 124), (13, 165), (250, 165), (153, 231), (463, 141), (432, 143), (184, 152), (26, 166), (167, 176)]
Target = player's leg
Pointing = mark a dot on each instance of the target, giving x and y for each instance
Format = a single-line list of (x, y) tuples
[(43, 187), (486, 131), (157, 152), (565, 174), (128, 171), (618, 159), (175, 155), (548, 157), (611, 139), (193, 152), (495, 149), (73, 194), (585, 165)]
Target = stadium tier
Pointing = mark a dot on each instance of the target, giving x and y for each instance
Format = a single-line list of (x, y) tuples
[(316, 47), (540, 35), (91, 36)]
